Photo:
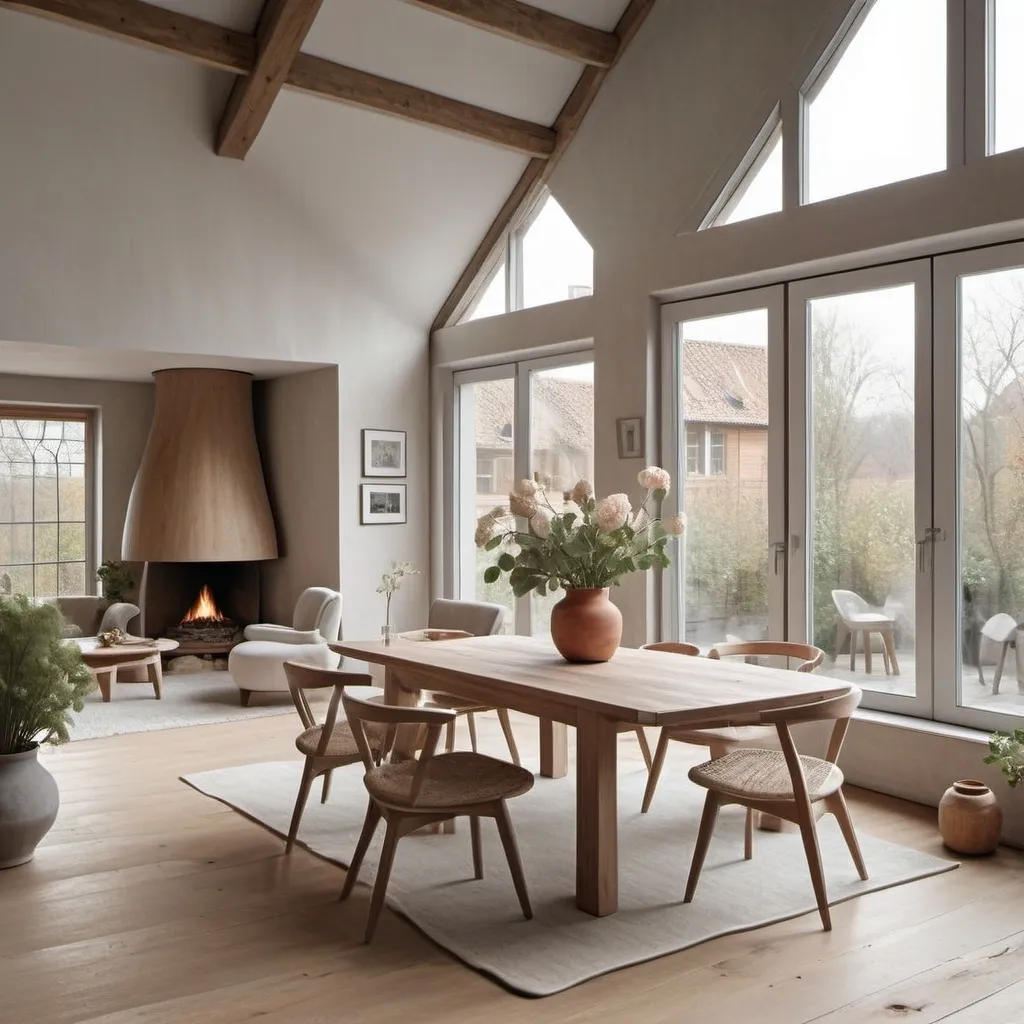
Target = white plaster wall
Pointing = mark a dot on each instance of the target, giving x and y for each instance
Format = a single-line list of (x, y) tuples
[(121, 230)]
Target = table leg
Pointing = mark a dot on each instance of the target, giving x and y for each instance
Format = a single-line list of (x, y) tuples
[(597, 826), (156, 676), (399, 696), (104, 680), (554, 749)]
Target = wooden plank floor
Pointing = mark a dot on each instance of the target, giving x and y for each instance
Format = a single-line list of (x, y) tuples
[(151, 904)]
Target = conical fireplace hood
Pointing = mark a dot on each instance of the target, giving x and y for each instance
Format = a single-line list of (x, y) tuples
[(199, 495)]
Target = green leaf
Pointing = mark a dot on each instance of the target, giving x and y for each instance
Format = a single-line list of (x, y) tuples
[(492, 574), (493, 543), (506, 562)]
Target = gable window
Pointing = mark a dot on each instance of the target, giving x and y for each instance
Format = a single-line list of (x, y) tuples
[(876, 108), (756, 187), (546, 259), (705, 452), (44, 550)]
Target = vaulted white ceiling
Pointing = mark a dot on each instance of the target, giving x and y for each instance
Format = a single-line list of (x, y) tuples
[(399, 207)]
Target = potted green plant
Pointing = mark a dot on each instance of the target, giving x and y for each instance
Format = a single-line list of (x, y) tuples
[(1006, 749), (583, 549), (41, 679), (117, 580)]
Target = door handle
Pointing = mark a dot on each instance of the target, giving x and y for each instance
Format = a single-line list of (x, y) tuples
[(932, 535), (779, 547)]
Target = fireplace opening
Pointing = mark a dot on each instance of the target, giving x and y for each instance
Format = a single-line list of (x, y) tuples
[(204, 622)]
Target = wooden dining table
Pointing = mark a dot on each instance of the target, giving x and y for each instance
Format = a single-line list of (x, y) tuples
[(644, 688)]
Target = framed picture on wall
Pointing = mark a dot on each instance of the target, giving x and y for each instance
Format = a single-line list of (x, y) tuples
[(630, 433), (382, 503), (383, 453)]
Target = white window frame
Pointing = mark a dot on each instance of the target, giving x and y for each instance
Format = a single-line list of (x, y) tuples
[(458, 449), (948, 270), (772, 298), (801, 293)]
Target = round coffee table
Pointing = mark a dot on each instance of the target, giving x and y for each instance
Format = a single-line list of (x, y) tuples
[(104, 661)]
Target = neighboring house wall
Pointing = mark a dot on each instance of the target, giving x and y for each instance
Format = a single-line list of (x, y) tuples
[(746, 453)]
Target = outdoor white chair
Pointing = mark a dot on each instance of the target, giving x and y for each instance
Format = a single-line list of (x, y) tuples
[(858, 618), (1000, 629)]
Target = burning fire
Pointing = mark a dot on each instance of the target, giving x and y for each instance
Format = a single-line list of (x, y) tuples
[(204, 609)]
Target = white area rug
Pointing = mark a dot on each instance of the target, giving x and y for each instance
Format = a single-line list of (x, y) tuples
[(479, 921), (198, 698)]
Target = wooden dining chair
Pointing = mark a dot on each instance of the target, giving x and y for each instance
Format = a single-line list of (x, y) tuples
[(720, 739), (786, 784), (459, 620), (409, 794), (326, 746)]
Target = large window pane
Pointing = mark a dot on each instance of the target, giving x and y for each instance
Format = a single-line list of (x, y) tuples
[(557, 261), (724, 389), (43, 522), (1007, 87), (562, 448), (992, 490), (861, 487), (880, 115), (486, 475)]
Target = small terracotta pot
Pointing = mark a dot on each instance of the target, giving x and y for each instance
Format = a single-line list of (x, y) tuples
[(970, 819), (586, 626)]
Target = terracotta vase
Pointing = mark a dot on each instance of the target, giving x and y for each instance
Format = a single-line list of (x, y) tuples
[(970, 819), (28, 806), (586, 626)]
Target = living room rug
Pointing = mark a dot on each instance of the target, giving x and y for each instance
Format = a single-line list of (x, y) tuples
[(480, 922), (193, 698)]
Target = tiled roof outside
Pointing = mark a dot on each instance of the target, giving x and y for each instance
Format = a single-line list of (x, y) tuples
[(722, 383)]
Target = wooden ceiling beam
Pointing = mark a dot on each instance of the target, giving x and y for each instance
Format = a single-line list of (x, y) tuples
[(537, 173), (526, 24), (282, 29), (332, 81), (224, 48), (150, 26)]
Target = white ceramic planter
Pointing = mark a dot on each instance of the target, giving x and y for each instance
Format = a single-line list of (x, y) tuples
[(29, 801)]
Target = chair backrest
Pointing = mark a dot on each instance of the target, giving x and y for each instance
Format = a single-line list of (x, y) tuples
[(849, 604), (808, 656), (673, 647), (478, 618), (117, 616), (838, 709), (363, 715), (1002, 628), (319, 608), (302, 677)]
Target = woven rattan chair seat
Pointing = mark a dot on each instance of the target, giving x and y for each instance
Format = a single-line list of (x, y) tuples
[(763, 775), (342, 744), (453, 780)]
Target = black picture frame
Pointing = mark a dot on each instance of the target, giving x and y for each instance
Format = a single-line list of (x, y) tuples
[(384, 453), (383, 504)]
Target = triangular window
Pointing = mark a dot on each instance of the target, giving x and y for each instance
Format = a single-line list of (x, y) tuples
[(876, 103), (557, 262), (490, 298), (756, 188)]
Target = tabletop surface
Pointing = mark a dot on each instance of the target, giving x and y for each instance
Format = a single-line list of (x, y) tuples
[(648, 687), (141, 646)]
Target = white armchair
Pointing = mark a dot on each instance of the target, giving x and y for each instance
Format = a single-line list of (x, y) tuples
[(257, 664)]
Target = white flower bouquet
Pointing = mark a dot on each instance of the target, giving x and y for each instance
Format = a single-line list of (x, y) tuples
[(589, 545)]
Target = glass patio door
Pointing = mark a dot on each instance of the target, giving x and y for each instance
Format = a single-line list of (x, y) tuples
[(862, 532), (528, 420), (724, 397), (979, 445)]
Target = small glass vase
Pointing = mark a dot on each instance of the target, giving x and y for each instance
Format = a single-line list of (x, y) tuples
[(386, 634)]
